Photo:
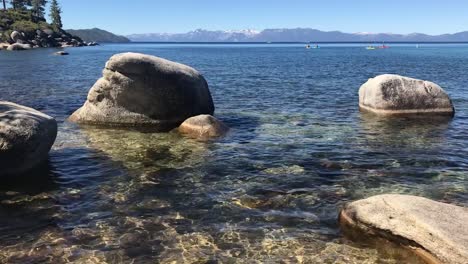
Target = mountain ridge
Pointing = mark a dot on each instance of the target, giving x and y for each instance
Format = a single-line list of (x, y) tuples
[(293, 35), (97, 35)]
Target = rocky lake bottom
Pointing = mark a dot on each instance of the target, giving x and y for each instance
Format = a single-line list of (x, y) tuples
[(268, 192)]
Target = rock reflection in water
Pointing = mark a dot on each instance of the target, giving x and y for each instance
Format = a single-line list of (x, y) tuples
[(421, 132), (146, 151)]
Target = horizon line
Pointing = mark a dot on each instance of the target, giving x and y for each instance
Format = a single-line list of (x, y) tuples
[(260, 30)]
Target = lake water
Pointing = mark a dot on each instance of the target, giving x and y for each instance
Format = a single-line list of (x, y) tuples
[(268, 192)]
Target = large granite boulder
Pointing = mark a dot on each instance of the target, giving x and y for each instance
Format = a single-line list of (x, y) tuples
[(203, 127), (390, 94), (18, 46), (26, 136), (15, 36), (139, 90), (435, 231)]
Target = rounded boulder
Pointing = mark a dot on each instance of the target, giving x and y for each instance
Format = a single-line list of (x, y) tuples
[(15, 36), (391, 94), (436, 232), (18, 46), (26, 136), (203, 127), (139, 90)]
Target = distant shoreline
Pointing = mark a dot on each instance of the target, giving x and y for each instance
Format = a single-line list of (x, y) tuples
[(291, 42)]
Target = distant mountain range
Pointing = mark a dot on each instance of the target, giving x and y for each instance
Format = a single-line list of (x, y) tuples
[(293, 35), (97, 35)]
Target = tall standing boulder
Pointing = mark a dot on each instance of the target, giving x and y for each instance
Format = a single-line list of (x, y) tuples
[(437, 232), (390, 94), (26, 136), (139, 90)]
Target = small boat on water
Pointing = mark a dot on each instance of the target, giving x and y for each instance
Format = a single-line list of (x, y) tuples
[(370, 48), (384, 46), (307, 46), (316, 46)]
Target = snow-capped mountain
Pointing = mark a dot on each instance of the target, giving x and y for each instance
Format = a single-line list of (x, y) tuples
[(199, 35), (292, 35)]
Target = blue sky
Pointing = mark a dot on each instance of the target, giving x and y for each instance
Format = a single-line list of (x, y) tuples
[(147, 16)]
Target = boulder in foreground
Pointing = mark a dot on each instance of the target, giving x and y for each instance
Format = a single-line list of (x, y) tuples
[(203, 127), (139, 90), (26, 136), (436, 232), (390, 94)]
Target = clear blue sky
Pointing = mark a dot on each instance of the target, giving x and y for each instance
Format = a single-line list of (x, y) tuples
[(148, 16)]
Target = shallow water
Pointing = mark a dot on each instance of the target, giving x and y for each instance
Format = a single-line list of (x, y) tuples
[(270, 191)]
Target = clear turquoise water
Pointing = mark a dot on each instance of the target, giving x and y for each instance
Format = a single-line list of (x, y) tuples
[(268, 192)]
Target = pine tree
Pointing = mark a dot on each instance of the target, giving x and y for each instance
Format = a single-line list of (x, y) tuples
[(20, 4), (55, 15), (38, 7), (4, 4)]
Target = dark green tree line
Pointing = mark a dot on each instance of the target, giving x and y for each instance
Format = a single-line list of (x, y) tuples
[(20, 4), (38, 7), (55, 14)]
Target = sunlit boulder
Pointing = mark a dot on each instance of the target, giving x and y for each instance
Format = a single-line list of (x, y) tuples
[(26, 136), (18, 46), (15, 36), (437, 232), (390, 94), (139, 90), (203, 127)]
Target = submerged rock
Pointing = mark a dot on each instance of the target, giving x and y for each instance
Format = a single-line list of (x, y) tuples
[(26, 136), (142, 152), (294, 169), (203, 127), (139, 90), (435, 231), (390, 94)]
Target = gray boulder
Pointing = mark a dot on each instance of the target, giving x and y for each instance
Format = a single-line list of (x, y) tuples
[(61, 53), (18, 46), (140, 90), (391, 94), (40, 33), (48, 31), (203, 127), (15, 36), (26, 136), (437, 232)]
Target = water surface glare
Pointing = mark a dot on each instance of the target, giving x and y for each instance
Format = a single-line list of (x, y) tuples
[(269, 192)]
